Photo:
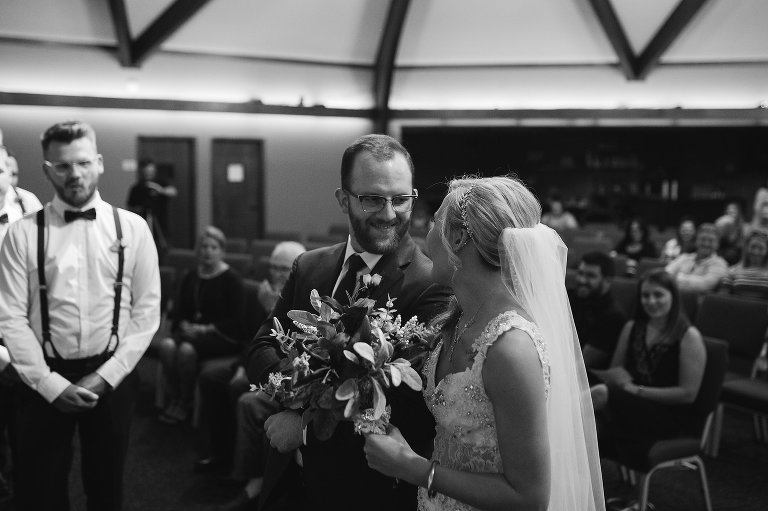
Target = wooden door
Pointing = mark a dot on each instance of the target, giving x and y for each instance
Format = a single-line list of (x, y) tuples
[(175, 161), (238, 187)]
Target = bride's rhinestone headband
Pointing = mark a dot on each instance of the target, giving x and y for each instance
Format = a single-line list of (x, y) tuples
[(463, 200)]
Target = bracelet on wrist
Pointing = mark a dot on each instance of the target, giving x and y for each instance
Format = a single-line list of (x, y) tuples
[(431, 492)]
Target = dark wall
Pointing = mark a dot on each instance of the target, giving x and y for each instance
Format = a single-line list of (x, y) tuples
[(603, 173)]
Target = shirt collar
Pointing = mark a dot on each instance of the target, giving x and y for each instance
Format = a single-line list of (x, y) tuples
[(59, 206), (369, 259)]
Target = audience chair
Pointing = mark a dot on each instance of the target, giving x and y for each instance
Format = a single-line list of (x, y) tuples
[(236, 246), (624, 291), (571, 278), (690, 301), (647, 264), (742, 323), (181, 258), (241, 263), (686, 452), (167, 288), (620, 265)]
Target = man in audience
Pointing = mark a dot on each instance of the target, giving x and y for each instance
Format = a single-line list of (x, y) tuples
[(703, 270), (597, 315), (80, 302), (221, 381), (19, 198), (377, 197)]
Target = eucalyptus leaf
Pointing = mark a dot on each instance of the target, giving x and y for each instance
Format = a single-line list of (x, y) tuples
[(395, 374), (303, 317), (365, 351), (324, 424), (347, 390), (379, 400), (411, 377)]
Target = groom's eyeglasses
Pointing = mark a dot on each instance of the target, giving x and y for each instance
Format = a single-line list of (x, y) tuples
[(375, 203)]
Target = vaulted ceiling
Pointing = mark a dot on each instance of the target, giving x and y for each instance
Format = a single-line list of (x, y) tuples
[(383, 58)]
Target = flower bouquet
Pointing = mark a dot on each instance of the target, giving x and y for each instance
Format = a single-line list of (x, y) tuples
[(343, 359)]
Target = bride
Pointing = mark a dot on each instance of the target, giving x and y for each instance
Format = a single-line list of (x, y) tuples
[(506, 383)]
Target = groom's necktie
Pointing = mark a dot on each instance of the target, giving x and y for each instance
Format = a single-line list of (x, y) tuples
[(355, 263)]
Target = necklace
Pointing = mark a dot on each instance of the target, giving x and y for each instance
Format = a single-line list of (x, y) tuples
[(460, 331)]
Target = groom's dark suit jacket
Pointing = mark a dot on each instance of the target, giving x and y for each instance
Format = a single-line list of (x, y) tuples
[(336, 474)]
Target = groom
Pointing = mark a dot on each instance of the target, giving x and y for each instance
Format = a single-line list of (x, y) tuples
[(377, 195)]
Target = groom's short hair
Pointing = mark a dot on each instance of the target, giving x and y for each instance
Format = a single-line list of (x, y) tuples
[(381, 147)]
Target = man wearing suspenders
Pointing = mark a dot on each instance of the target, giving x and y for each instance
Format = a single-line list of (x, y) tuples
[(79, 304)]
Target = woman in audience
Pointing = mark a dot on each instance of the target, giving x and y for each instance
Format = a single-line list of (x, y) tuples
[(749, 277), (207, 323), (558, 218), (760, 219), (635, 244), (684, 241), (654, 377)]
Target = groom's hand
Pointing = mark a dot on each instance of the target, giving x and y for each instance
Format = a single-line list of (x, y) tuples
[(284, 431)]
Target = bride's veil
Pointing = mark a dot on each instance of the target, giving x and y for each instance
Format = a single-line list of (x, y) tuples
[(533, 268)]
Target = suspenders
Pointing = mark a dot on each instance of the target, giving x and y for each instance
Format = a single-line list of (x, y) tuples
[(18, 199), (44, 317)]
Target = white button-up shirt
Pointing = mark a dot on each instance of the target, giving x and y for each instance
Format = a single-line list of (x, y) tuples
[(80, 269)]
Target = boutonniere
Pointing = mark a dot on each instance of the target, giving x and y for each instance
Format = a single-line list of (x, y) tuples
[(118, 244)]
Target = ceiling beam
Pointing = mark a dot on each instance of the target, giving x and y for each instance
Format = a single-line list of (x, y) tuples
[(667, 34), (122, 32), (172, 19), (385, 62), (607, 17)]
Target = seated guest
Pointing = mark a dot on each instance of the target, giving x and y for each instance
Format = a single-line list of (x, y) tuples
[(760, 219), (635, 244), (749, 277), (207, 323), (731, 242), (684, 241), (223, 380), (558, 218), (654, 376), (597, 315), (703, 270)]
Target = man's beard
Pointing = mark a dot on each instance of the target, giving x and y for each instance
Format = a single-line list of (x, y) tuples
[(365, 230)]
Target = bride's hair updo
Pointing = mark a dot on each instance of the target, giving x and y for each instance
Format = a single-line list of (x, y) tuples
[(484, 207)]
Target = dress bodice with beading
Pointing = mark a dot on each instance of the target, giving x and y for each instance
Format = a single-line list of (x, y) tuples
[(465, 424)]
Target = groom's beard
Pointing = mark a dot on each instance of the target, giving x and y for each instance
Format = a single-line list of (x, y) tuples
[(375, 239)]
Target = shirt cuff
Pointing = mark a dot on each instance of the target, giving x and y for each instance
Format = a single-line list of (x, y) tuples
[(112, 372), (52, 386)]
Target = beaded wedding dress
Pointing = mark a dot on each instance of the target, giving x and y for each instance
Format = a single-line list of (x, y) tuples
[(466, 428)]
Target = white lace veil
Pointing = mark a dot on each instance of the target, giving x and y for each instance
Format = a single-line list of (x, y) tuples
[(533, 268)]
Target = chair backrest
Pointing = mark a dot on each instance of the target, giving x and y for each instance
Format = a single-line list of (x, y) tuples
[(741, 322), (240, 262), (180, 258), (236, 246), (620, 265), (254, 312), (714, 374), (690, 301), (624, 291), (647, 264), (167, 286)]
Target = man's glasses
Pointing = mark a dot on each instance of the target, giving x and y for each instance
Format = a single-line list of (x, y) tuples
[(375, 203), (64, 167)]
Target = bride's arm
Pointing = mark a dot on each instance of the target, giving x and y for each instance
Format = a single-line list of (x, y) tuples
[(515, 385)]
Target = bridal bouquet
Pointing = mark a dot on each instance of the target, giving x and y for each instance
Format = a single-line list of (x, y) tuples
[(342, 359)]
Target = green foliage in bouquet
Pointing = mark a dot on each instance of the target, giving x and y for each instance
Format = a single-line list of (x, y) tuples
[(344, 358)]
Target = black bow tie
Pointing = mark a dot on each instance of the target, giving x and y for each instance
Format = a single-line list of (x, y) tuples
[(88, 214), (4, 218)]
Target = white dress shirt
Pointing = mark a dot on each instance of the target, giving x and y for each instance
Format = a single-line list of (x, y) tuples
[(30, 200), (80, 269), (369, 259)]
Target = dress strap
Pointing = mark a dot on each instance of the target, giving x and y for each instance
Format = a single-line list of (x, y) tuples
[(503, 323)]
